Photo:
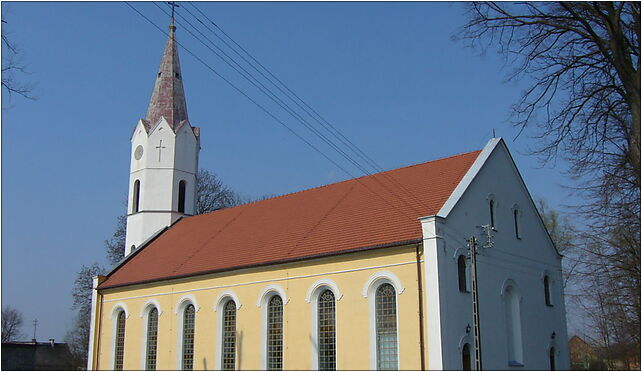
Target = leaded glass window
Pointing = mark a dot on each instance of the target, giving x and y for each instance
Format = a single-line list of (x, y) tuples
[(188, 338), (386, 312), (275, 334), (152, 337), (120, 342), (327, 332), (228, 351)]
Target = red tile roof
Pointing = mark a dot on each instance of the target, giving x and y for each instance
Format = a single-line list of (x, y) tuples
[(352, 215)]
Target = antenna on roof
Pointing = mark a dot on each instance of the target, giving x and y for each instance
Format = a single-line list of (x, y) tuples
[(494, 133)]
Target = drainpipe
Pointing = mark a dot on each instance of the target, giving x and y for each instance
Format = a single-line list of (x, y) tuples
[(421, 309)]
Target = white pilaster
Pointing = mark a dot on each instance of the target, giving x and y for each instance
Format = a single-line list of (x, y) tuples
[(434, 255)]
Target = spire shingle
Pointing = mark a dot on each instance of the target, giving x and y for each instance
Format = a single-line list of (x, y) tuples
[(168, 97)]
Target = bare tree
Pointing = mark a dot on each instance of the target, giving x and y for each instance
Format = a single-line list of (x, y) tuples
[(564, 235), (115, 247), (78, 336), (582, 61), (212, 194), (11, 324), (12, 65)]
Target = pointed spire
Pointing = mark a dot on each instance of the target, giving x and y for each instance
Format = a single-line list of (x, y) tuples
[(168, 97)]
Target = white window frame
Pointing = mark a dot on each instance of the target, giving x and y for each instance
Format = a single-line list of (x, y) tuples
[(517, 336), (144, 315), (313, 298), (182, 303), (113, 316), (262, 303), (369, 291), (220, 302)]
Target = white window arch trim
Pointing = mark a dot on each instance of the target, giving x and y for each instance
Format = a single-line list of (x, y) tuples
[(268, 291), (220, 302), (518, 347), (221, 298), (466, 339), (377, 279), (144, 315), (552, 344), (312, 298), (182, 303), (314, 289), (113, 316), (369, 292), (262, 302)]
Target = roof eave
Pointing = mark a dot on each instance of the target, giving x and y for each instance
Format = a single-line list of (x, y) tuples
[(268, 263)]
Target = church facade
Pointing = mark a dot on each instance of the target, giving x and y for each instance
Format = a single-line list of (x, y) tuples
[(368, 273)]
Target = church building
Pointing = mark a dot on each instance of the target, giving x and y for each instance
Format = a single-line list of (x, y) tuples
[(439, 265)]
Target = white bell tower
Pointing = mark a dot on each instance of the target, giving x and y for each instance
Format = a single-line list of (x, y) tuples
[(164, 156)]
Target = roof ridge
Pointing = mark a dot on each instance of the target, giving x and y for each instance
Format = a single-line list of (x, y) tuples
[(345, 181)]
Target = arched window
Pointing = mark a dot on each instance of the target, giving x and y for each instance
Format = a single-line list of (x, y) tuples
[(516, 213), (188, 338), (491, 207), (461, 271), (152, 338), (327, 331), (466, 365), (551, 358), (119, 345), (513, 326), (386, 323), (228, 349), (274, 342), (136, 197), (547, 291), (181, 197)]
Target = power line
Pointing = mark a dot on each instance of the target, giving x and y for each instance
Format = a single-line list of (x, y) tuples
[(324, 123), (265, 90), (267, 111)]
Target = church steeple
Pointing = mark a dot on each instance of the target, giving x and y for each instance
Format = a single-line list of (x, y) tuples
[(168, 97), (164, 156)]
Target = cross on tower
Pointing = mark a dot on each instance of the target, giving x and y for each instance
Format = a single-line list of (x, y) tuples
[(173, 5), (160, 147), (35, 325)]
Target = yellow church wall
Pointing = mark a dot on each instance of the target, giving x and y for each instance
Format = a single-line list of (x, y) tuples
[(350, 273)]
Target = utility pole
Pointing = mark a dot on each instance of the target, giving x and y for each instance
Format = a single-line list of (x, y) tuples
[(472, 250)]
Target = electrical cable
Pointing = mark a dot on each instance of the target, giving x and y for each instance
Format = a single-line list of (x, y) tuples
[(267, 111), (286, 107), (324, 123)]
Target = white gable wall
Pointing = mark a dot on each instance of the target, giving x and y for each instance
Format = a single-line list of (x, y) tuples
[(524, 261)]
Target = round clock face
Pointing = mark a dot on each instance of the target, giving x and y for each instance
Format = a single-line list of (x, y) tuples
[(139, 152)]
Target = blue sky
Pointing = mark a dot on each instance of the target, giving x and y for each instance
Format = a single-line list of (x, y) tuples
[(387, 75)]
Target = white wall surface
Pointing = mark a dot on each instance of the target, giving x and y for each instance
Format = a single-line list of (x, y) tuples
[(525, 261), (159, 178)]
